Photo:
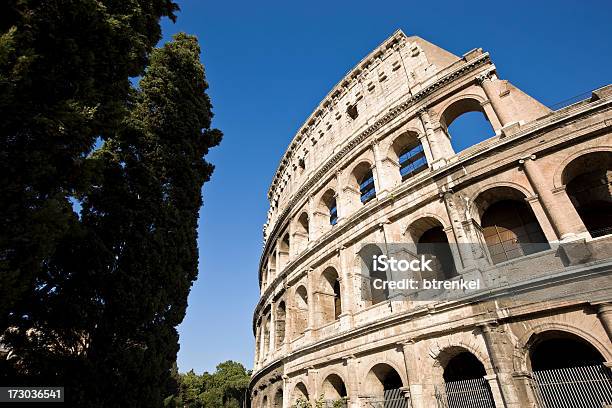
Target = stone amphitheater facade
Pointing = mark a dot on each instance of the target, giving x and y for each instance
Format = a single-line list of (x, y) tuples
[(374, 163)]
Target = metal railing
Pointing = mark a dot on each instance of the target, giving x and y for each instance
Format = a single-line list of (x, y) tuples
[(575, 387), (393, 398), (474, 393)]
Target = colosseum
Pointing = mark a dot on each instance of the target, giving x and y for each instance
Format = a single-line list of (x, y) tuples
[(526, 213)]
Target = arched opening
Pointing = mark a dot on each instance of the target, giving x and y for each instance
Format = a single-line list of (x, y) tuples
[(408, 154), (301, 311), (463, 366), (278, 398), (303, 225), (364, 179), (334, 389), (432, 241), (281, 313), (330, 301), (569, 372), (509, 226), (266, 336), (300, 393), (283, 252), (466, 123), (547, 347), (383, 385), (329, 207), (369, 290), (464, 381), (264, 402), (588, 182)]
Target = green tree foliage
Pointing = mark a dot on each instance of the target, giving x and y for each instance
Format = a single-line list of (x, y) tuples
[(64, 80), (95, 299), (225, 388)]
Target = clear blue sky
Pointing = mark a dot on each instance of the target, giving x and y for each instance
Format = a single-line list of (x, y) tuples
[(269, 63)]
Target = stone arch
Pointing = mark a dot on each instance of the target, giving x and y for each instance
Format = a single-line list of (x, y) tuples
[(405, 157), (442, 354), (509, 226), (381, 377), (475, 210), (277, 400), (470, 110), (300, 391), (280, 323), (558, 175), (302, 226), (329, 299), (333, 387), (455, 106), (362, 182), (300, 311), (363, 267), (524, 343), (588, 184), (327, 208), (430, 239)]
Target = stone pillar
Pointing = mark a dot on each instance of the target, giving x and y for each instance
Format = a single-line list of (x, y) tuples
[(558, 207), (494, 387), (486, 81), (439, 143), (311, 304), (604, 313), (378, 173), (461, 238), (272, 328), (426, 148), (286, 403), (340, 210), (413, 370), (313, 384), (499, 347), (352, 382)]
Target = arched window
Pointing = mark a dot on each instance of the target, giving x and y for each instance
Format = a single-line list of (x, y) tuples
[(362, 185), (467, 124), (300, 393), (334, 390), (304, 225), (371, 291), (383, 387), (300, 322), (509, 226), (407, 153), (588, 182), (281, 313), (266, 336), (278, 398), (464, 372), (329, 207), (366, 187), (579, 378), (330, 300)]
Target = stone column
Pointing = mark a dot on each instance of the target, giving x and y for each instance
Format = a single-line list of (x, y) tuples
[(604, 313), (499, 347), (378, 173), (272, 328), (494, 387), (558, 207), (313, 383), (339, 198), (426, 148), (311, 305), (352, 382), (486, 81), (413, 371), (461, 238), (439, 143)]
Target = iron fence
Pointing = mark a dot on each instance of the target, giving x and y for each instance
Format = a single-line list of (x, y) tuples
[(474, 393), (393, 398), (575, 387)]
